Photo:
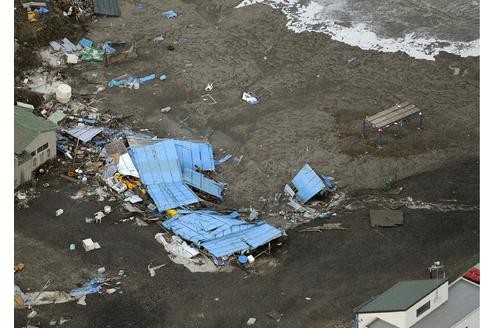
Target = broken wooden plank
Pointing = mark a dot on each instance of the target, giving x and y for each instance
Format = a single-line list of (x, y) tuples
[(326, 226)]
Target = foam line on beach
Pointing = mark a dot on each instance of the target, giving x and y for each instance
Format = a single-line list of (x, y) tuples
[(309, 18)]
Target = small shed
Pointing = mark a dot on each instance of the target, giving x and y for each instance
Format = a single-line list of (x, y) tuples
[(34, 143)]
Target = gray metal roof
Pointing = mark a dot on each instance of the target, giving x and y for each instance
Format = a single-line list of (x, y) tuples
[(401, 296), (381, 324), (106, 7), (464, 298)]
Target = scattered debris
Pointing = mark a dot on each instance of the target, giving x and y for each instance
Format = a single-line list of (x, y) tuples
[(101, 270), (251, 321), (19, 267), (170, 14), (153, 270), (250, 99), (207, 98), (274, 315), (59, 212), (209, 86), (89, 245), (82, 300)]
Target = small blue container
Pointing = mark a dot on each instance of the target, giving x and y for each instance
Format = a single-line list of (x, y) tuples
[(242, 259), (72, 247)]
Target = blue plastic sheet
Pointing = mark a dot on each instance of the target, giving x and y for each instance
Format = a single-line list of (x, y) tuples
[(86, 43), (91, 287)]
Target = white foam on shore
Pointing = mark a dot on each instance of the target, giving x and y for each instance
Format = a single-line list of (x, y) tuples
[(310, 18)]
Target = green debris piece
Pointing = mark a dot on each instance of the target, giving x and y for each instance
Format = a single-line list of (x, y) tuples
[(92, 54), (387, 186)]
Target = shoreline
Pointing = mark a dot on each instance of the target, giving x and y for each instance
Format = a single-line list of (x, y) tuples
[(309, 19)]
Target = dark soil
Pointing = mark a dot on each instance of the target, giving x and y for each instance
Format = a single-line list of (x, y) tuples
[(338, 270)]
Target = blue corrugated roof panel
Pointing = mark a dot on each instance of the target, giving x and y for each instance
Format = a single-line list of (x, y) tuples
[(254, 236), (221, 234), (157, 163), (199, 181), (171, 195), (194, 155), (84, 132), (308, 184)]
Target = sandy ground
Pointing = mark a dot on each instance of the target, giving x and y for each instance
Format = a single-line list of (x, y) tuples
[(312, 115), (317, 100)]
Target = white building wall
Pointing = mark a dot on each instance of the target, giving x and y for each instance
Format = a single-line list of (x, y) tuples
[(396, 318), (436, 298), (471, 321)]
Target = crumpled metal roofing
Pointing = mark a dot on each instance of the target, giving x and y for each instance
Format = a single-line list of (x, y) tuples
[(194, 155), (157, 163), (221, 234), (199, 181), (159, 169), (84, 132), (171, 195), (308, 184)]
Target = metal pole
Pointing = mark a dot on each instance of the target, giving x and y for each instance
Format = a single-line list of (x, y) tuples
[(401, 129), (380, 138), (75, 153), (421, 121)]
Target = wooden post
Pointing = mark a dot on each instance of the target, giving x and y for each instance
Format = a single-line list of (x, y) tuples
[(364, 131), (75, 154)]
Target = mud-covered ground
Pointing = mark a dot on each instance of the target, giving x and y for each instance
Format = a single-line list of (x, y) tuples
[(311, 112), (337, 270), (316, 104)]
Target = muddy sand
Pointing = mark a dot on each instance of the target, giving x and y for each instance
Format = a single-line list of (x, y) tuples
[(313, 101), (311, 112)]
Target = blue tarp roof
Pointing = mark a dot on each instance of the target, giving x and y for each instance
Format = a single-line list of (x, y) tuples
[(194, 155), (199, 181), (221, 234), (308, 184)]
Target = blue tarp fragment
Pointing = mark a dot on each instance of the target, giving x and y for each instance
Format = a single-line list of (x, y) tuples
[(199, 181), (91, 287), (86, 43), (107, 46), (130, 80), (221, 234), (308, 184)]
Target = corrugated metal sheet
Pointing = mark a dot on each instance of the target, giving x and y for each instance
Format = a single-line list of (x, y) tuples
[(106, 7), (199, 181), (221, 234), (194, 155), (56, 116), (157, 163), (84, 132), (308, 184), (159, 169), (171, 195)]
